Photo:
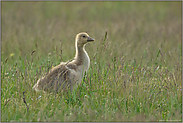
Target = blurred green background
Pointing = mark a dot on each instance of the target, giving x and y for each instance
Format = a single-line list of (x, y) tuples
[(135, 29)]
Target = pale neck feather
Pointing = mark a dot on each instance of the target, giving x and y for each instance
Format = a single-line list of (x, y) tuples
[(81, 59)]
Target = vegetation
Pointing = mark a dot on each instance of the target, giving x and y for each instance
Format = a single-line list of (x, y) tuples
[(135, 70)]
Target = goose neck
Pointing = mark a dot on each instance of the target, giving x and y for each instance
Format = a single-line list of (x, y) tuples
[(81, 55)]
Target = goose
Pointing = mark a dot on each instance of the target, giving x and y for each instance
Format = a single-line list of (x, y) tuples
[(67, 75)]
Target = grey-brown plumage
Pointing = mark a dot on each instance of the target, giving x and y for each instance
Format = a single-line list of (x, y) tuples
[(66, 75)]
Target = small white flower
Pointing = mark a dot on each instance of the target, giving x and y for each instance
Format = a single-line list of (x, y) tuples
[(39, 97), (6, 74), (86, 96)]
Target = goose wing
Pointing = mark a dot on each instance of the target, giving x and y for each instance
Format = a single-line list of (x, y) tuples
[(57, 78)]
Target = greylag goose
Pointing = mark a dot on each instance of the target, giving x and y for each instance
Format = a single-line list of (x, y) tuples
[(67, 74)]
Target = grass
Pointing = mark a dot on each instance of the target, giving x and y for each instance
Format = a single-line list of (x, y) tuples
[(136, 60)]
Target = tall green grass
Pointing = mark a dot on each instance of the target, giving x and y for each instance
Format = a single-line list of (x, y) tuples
[(135, 70)]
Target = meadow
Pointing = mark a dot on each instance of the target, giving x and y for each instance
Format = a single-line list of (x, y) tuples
[(135, 69)]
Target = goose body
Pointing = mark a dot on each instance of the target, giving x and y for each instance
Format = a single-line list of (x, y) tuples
[(67, 74)]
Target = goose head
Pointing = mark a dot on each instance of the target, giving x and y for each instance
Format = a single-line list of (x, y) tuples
[(83, 38)]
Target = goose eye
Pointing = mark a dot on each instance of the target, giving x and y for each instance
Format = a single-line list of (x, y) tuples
[(84, 36)]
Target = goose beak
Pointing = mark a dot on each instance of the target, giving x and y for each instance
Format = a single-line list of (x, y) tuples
[(90, 39)]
